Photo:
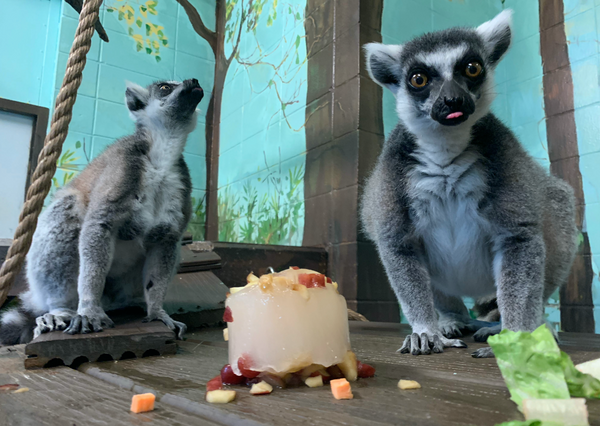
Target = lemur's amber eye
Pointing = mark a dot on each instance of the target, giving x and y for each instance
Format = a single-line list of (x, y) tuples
[(418, 80), (473, 69), (165, 87)]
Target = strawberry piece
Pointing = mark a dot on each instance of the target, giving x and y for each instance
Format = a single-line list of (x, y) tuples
[(329, 280), (214, 384), (244, 364), (228, 316), (365, 370), (228, 377), (312, 280), (295, 268)]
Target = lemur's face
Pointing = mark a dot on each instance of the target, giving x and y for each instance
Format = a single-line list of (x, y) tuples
[(442, 79), (170, 103)]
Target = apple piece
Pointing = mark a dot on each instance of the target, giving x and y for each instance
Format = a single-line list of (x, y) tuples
[(228, 316), (261, 388), (214, 384), (364, 370), (251, 279), (408, 384), (348, 367), (567, 412), (234, 290), (220, 396), (314, 382), (226, 334), (312, 280)]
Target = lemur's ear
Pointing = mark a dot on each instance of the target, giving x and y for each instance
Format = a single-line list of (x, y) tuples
[(383, 64), (497, 35), (136, 97)]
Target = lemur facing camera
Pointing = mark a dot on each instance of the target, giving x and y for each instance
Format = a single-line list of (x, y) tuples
[(455, 204), (111, 237)]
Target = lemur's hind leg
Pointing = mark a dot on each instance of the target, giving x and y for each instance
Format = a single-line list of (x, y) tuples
[(453, 316), (52, 266), (159, 270)]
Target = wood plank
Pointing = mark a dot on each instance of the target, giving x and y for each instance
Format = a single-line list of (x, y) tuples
[(63, 396), (130, 337), (238, 260), (457, 389)]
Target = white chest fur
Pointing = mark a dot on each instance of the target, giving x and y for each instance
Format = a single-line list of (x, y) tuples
[(456, 238)]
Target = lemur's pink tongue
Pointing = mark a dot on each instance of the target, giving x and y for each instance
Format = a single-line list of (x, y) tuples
[(454, 115)]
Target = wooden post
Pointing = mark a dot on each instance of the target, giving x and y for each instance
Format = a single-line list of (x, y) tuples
[(576, 297)]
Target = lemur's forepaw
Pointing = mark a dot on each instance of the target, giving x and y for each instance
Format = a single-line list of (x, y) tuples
[(47, 323), (178, 327), (483, 353), (89, 322), (425, 343), (482, 334)]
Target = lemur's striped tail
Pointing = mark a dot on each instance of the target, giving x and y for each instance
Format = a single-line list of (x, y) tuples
[(16, 326)]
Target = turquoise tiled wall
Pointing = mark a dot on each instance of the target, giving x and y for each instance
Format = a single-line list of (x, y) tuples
[(520, 99), (582, 27), (262, 145), (30, 30), (100, 115)]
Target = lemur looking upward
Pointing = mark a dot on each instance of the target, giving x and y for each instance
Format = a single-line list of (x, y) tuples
[(111, 237), (455, 205)]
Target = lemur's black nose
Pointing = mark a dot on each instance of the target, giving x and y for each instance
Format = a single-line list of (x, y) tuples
[(455, 102)]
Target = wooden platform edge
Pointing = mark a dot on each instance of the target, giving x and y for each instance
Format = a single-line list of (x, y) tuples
[(205, 412)]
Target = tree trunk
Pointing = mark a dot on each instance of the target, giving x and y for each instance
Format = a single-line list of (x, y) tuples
[(213, 131), (576, 297)]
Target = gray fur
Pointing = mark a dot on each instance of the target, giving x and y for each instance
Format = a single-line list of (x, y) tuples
[(457, 207), (111, 237)]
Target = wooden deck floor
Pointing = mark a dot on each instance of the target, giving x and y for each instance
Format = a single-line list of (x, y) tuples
[(456, 389)]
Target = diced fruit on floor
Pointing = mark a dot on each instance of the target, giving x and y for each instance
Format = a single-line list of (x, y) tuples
[(314, 382), (364, 370), (220, 396), (261, 388), (142, 403), (228, 377), (214, 384), (340, 388), (408, 384), (348, 367)]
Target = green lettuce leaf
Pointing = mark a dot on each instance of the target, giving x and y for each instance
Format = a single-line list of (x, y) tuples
[(529, 423), (580, 385), (530, 364)]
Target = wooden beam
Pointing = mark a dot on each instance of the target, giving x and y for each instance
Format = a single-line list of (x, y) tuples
[(576, 297)]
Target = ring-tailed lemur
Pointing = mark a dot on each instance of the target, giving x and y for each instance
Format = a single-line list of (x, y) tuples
[(111, 237), (455, 204)]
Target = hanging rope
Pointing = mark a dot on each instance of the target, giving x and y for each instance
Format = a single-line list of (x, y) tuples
[(46, 166)]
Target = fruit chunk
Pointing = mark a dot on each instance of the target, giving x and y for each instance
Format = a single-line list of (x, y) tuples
[(214, 384), (261, 388), (340, 388), (364, 370), (408, 384), (314, 382), (312, 280), (567, 412), (226, 334), (349, 367), (228, 316), (228, 377), (234, 290), (220, 396), (142, 402), (244, 363)]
